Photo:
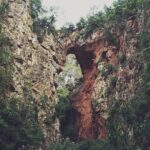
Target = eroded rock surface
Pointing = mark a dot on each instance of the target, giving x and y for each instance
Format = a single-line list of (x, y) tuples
[(36, 65), (111, 69)]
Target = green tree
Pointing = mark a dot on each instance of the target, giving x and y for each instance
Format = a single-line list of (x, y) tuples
[(67, 29), (35, 8)]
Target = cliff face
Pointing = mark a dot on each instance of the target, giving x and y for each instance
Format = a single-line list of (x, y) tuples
[(36, 66), (109, 60), (111, 68)]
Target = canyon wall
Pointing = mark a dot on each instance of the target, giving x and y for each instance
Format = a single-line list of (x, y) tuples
[(109, 60), (111, 66), (35, 65)]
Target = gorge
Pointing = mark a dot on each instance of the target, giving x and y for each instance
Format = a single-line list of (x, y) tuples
[(97, 100)]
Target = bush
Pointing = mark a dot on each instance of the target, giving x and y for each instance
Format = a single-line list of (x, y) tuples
[(81, 24), (144, 40), (115, 15), (94, 22), (35, 8), (64, 113), (121, 57), (5, 65), (129, 123), (63, 145), (45, 25), (3, 8), (112, 39), (82, 145), (108, 69), (42, 25), (113, 82), (67, 29), (18, 125), (93, 145), (5, 80)]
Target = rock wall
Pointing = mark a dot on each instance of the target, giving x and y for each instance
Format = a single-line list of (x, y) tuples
[(111, 68), (36, 66), (109, 60)]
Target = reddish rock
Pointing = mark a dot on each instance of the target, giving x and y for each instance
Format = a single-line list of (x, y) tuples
[(85, 123)]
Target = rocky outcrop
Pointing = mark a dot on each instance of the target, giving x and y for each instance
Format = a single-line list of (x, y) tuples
[(86, 56), (111, 68), (108, 59), (36, 66)]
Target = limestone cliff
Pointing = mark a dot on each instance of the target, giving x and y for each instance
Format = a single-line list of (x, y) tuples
[(110, 63), (36, 65)]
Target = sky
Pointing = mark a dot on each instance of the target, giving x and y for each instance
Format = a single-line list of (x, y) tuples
[(72, 10)]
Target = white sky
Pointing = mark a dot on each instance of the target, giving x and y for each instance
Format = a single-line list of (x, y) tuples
[(72, 10)]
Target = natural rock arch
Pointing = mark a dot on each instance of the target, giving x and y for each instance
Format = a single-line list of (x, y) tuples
[(87, 125)]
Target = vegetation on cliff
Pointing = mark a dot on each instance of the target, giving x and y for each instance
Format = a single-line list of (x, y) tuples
[(19, 127), (114, 15), (129, 120), (42, 24)]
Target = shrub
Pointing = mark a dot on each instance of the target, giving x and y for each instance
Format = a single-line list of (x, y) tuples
[(81, 24), (5, 65), (5, 80), (108, 69), (95, 104), (67, 29), (94, 22), (3, 8), (115, 15), (64, 113), (121, 57), (129, 123), (113, 81), (93, 145), (18, 125), (144, 40), (63, 145), (44, 102), (63, 93), (82, 145), (112, 39), (35, 8), (43, 26)]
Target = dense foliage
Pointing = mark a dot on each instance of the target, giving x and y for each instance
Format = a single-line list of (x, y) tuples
[(115, 15), (42, 25), (68, 29), (5, 68), (3, 9), (18, 124), (35, 8), (64, 112), (80, 145)]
